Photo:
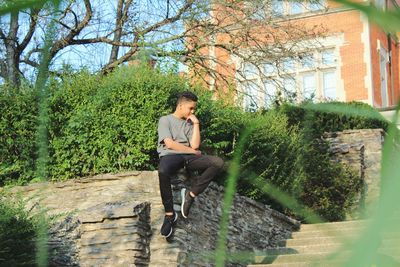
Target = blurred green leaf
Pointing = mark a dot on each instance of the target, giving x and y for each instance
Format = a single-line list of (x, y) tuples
[(12, 6), (388, 20)]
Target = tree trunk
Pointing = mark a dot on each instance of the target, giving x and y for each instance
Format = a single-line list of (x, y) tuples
[(12, 55), (118, 32)]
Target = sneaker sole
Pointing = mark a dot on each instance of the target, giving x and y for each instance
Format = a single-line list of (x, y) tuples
[(170, 233), (183, 193)]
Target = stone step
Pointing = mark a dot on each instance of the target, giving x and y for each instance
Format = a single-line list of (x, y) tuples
[(334, 225), (330, 248), (317, 240), (307, 249), (343, 233), (300, 264), (327, 240), (294, 258), (327, 233), (358, 224), (315, 257), (315, 244)]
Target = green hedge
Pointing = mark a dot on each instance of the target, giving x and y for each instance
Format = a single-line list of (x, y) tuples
[(271, 153), (333, 116), (329, 189), (112, 126), (281, 155), (18, 132), (220, 125)]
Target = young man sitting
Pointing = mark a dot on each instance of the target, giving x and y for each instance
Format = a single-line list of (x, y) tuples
[(178, 147)]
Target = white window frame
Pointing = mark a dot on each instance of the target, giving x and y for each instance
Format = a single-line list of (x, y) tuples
[(383, 75), (318, 69), (330, 42), (305, 7)]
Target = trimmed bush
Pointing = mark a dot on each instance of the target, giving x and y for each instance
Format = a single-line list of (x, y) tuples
[(281, 155), (68, 94), (220, 125), (18, 120), (271, 153), (329, 189), (333, 116), (112, 126)]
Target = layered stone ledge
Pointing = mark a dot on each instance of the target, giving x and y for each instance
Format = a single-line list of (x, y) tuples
[(114, 220)]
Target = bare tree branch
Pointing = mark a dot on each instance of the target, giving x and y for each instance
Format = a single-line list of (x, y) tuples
[(166, 21), (32, 51), (68, 9), (31, 31), (127, 56), (30, 62), (74, 32), (102, 40)]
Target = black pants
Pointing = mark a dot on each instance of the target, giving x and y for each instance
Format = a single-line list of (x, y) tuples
[(207, 166)]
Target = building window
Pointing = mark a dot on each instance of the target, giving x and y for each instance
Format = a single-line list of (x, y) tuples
[(261, 9), (307, 61), (251, 96), (311, 75), (289, 65), (269, 69), (277, 8), (290, 87), (309, 85), (316, 5), (257, 9), (329, 84), (383, 60), (250, 71), (295, 8), (328, 57), (270, 93)]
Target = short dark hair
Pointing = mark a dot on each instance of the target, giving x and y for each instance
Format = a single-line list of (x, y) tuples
[(186, 96)]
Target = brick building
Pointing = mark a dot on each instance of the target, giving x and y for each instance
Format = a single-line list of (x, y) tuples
[(353, 60)]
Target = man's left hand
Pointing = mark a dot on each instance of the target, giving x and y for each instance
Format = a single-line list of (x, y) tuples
[(193, 118)]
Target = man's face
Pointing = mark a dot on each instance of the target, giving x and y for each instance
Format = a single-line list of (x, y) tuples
[(187, 108)]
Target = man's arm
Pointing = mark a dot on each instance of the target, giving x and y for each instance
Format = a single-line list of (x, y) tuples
[(195, 140), (171, 144)]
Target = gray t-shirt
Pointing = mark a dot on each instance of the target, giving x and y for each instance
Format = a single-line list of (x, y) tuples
[(177, 129)]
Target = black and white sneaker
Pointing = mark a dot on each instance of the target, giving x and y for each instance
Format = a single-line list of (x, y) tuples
[(169, 220), (187, 201)]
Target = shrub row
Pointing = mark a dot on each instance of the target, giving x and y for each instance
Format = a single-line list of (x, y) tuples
[(316, 119), (18, 120), (110, 125)]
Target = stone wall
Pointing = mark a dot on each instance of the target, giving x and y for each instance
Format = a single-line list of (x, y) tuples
[(114, 220), (361, 150)]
